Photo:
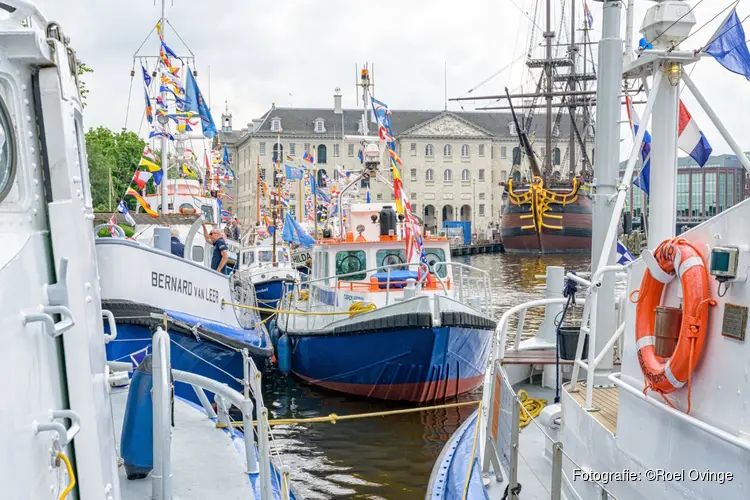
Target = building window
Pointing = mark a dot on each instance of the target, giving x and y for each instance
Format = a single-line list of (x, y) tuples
[(512, 128), (413, 174), (276, 157), (276, 125), (447, 150), (413, 197), (710, 190), (429, 175), (364, 183), (448, 175), (481, 196), (320, 127), (335, 150), (481, 175), (322, 154), (307, 147), (465, 176), (465, 151), (503, 176), (481, 209), (503, 152), (413, 149), (292, 149), (481, 150), (393, 196), (696, 195), (429, 151), (322, 178), (350, 150), (516, 156), (379, 196), (556, 156), (262, 148), (414, 208)]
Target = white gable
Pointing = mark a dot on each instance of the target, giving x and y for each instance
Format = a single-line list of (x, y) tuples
[(447, 126)]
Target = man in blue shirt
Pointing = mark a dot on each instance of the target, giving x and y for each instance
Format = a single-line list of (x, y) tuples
[(178, 248), (221, 250)]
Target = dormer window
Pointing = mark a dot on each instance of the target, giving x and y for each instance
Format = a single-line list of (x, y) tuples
[(320, 126), (276, 125), (512, 128), (556, 131)]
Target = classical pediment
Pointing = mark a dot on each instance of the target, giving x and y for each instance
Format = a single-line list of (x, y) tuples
[(446, 125)]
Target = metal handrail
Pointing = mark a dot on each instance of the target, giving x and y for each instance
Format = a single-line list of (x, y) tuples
[(616, 378), (161, 483), (486, 282)]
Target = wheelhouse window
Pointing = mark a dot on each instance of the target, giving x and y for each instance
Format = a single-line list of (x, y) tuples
[(265, 255), (390, 257), (435, 255), (351, 261), (7, 152), (208, 213)]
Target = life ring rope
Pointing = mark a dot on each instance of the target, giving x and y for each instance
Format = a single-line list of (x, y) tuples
[(672, 258)]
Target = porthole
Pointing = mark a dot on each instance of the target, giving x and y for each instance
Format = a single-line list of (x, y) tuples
[(7, 152)]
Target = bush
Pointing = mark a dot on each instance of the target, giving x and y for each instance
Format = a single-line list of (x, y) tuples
[(104, 232)]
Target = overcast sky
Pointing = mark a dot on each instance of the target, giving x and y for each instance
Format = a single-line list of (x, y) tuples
[(296, 52)]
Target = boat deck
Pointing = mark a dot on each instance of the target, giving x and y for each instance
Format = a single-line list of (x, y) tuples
[(532, 357), (202, 457), (606, 400)]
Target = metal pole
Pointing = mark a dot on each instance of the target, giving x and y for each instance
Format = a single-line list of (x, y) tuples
[(629, 30), (736, 149), (607, 173), (247, 417), (315, 191), (275, 206), (161, 485), (164, 141), (664, 154), (548, 35), (557, 463)]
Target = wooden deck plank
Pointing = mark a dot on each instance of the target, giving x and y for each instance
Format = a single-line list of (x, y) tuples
[(537, 357), (606, 400)]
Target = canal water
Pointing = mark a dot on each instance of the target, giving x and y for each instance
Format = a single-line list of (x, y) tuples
[(388, 457)]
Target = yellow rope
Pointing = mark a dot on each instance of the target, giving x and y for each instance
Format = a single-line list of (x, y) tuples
[(333, 418), (72, 476), (284, 311), (361, 307), (533, 407), (473, 454)]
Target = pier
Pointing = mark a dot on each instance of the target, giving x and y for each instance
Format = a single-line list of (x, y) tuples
[(477, 249)]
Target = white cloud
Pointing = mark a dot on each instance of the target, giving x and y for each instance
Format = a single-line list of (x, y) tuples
[(261, 52)]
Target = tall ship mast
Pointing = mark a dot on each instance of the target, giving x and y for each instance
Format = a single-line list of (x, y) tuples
[(548, 207)]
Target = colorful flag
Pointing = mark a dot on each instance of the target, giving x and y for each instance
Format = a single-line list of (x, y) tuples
[(160, 133), (690, 139), (263, 188), (729, 46), (159, 30), (644, 178), (144, 204), (293, 172), (149, 109), (290, 158), (125, 213), (308, 157), (589, 17), (383, 116), (194, 102), (398, 188), (225, 216), (141, 178), (169, 51), (395, 157)]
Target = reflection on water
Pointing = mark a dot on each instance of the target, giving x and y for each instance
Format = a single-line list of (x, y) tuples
[(388, 457)]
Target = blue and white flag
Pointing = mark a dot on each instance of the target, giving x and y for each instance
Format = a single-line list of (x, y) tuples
[(644, 177), (125, 213), (137, 357), (729, 47), (294, 233), (623, 255)]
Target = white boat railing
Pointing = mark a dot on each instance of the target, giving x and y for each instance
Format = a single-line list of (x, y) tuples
[(255, 464), (475, 285)]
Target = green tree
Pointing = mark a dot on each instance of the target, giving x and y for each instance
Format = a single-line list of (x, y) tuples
[(113, 157), (82, 70)]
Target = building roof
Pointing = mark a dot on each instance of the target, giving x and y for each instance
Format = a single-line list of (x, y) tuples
[(300, 122), (726, 160)]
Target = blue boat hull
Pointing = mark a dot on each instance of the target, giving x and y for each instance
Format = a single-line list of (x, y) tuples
[(187, 354), (269, 293), (421, 364)]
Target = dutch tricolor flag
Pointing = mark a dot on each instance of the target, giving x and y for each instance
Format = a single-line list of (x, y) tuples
[(690, 139)]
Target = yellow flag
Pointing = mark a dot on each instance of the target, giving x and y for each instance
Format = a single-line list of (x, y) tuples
[(153, 167)]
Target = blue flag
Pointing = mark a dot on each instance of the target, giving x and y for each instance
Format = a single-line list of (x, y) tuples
[(294, 233), (194, 102), (729, 48), (146, 76), (644, 177), (293, 172)]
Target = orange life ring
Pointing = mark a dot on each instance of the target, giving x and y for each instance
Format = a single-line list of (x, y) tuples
[(675, 256)]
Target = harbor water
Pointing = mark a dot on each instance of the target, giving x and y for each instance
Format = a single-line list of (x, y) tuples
[(389, 457)]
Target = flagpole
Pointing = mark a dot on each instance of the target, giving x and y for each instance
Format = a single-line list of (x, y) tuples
[(257, 197), (164, 143), (315, 192), (275, 206)]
